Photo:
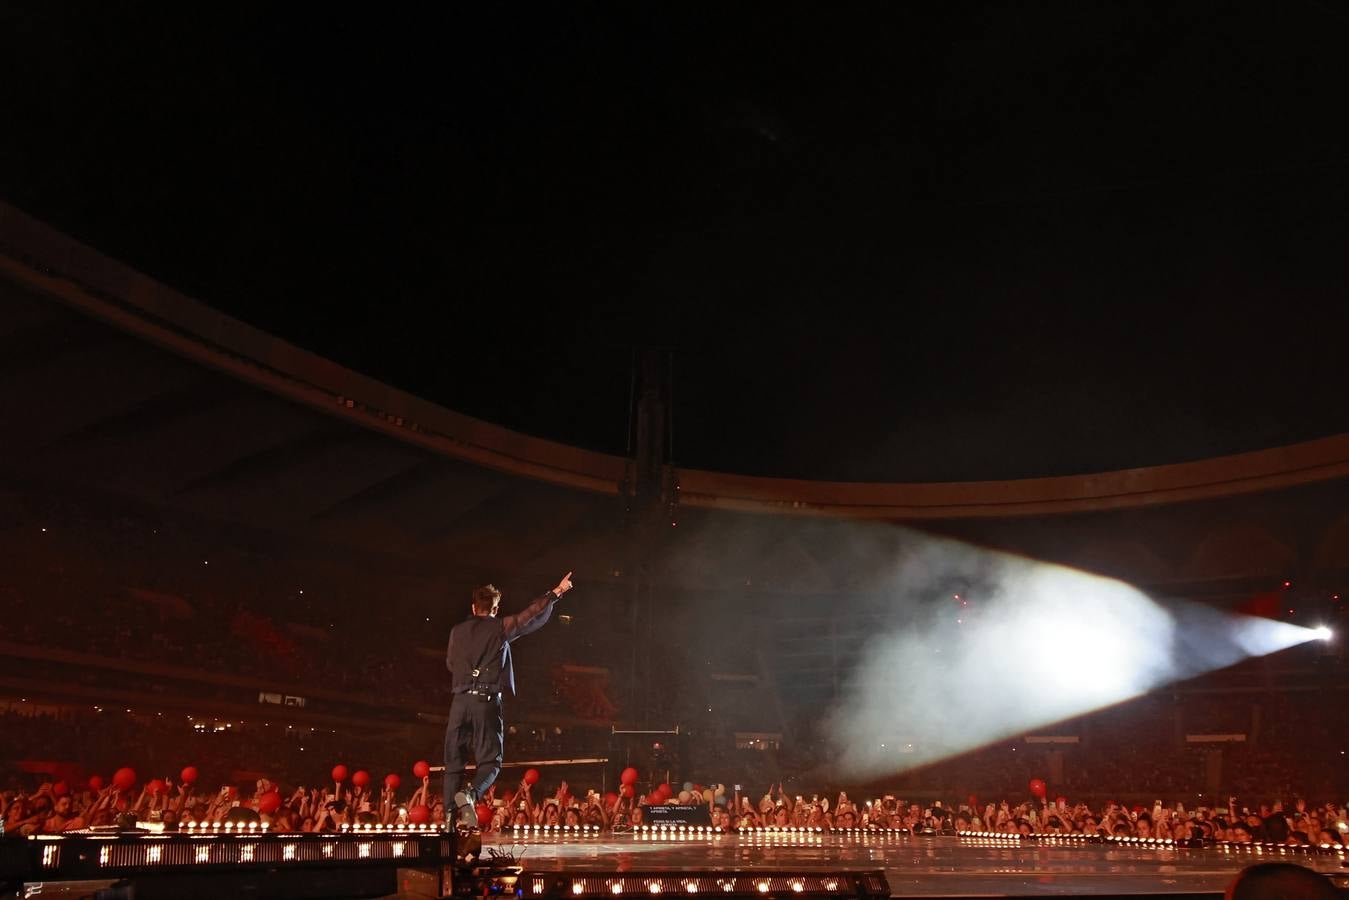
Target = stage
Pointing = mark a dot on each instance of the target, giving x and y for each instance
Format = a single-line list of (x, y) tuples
[(921, 866), (556, 864)]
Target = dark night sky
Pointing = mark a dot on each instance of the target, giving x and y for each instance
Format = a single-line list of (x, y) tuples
[(899, 241)]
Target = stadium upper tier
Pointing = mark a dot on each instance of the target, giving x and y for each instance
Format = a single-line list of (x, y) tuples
[(38, 262)]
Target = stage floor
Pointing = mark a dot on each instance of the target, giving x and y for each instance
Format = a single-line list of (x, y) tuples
[(914, 866), (918, 866)]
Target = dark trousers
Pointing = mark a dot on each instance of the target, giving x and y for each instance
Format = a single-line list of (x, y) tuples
[(475, 727)]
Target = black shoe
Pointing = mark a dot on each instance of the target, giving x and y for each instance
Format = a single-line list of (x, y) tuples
[(465, 803)]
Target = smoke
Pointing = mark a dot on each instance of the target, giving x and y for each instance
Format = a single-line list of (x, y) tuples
[(992, 645)]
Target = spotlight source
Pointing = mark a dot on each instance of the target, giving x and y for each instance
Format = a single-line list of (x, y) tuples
[(1324, 633)]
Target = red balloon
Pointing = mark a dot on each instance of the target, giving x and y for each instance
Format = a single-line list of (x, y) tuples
[(269, 803), (392, 781), (155, 786), (1063, 800), (484, 815), (972, 800), (421, 769), (1137, 808), (60, 789), (654, 798), (419, 814), (360, 778), (610, 798), (665, 792), (95, 783), (626, 790), (1037, 787), (531, 776), (124, 778), (188, 775), (339, 773), (629, 776)]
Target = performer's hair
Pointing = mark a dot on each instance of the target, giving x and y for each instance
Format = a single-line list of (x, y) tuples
[(485, 597)]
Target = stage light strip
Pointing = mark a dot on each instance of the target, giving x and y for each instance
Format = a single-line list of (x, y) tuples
[(165, 852), (1006, 839), (575, 830), (804, 884)]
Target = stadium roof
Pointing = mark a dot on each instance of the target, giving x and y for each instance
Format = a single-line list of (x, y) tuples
[(892, 243), (119, 385)]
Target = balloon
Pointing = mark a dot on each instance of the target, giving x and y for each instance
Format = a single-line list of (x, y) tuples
[(973, 801), (685, 797), (419, 814), (707, 795), (1037, 787), (654, 798), (664, 790), (124, 778), (629, 776), (360, 778), (626, 790), (269, 803), (392, 781), (421, 769), (95, 783), (339, 773), (188, 775), (60, 789), (688, 786), (610, 798), (1062, 800), (1137, 808), (531, 776), (155, 786), (484, 815)]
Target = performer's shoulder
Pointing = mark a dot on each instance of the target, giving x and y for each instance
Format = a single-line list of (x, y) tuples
[(474, 622)]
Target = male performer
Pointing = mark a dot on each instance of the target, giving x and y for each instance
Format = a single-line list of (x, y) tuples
[(479, 660)]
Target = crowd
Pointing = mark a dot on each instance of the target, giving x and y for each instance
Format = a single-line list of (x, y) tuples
[(143, 590), (54, 807)]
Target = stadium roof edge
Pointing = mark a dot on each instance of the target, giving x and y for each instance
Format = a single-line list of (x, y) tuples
[(44, 260)]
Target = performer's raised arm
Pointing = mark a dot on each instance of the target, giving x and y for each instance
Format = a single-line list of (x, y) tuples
[(535, 615)]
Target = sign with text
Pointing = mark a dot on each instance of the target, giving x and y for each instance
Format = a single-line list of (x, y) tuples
[(670, 814)]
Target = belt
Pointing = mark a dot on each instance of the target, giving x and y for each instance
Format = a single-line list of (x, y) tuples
[(486, 695)]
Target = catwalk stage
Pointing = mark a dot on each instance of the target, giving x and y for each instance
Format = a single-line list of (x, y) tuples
[(921, 866)]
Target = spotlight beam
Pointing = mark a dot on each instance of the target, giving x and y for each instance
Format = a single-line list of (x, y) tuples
[(1041, 643)]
